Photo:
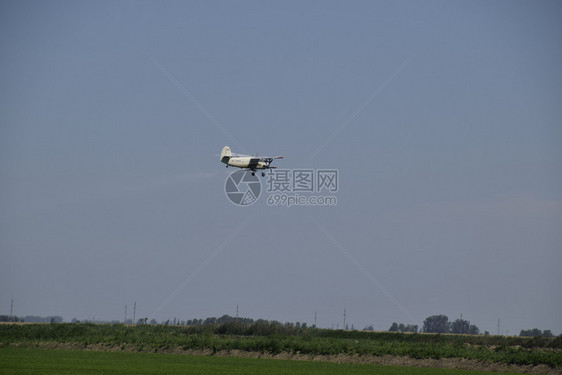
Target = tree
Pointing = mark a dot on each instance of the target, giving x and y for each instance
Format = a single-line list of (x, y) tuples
[(437, 324), (412, 328), (473, 330), (403, 328), (462, 326)]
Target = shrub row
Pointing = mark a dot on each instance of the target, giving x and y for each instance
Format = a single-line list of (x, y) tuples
[(275, 338)]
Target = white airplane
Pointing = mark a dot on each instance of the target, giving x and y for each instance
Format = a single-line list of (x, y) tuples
[(246, 162)]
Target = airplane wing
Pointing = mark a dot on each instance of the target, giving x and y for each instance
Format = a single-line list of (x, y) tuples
[(270, 159)]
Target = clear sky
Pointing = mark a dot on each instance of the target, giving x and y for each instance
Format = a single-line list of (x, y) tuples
[(443, 118)]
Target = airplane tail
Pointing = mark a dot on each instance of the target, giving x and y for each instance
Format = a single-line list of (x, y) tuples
[(225, 154)]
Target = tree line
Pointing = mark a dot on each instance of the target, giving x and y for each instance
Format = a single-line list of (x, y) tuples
[(225, 319), (432, 324), (535, 332), (31, 319), (441, 324)]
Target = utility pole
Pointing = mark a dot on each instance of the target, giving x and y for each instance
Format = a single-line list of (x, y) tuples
[(134, 311), (498, 327), (314, 319), (344, 319), (12, 311)]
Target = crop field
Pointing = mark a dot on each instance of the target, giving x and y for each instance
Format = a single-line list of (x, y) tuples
[(222, 341), (47, 362)]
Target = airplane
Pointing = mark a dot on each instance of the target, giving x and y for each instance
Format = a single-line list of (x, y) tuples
[(246, 162)]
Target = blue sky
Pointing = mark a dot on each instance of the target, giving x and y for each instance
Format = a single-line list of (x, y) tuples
[(442, 118)]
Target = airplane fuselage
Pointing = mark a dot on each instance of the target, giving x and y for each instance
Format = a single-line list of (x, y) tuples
[(245, 162)]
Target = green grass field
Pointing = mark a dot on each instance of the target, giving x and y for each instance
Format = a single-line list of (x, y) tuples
[(59, 362)]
